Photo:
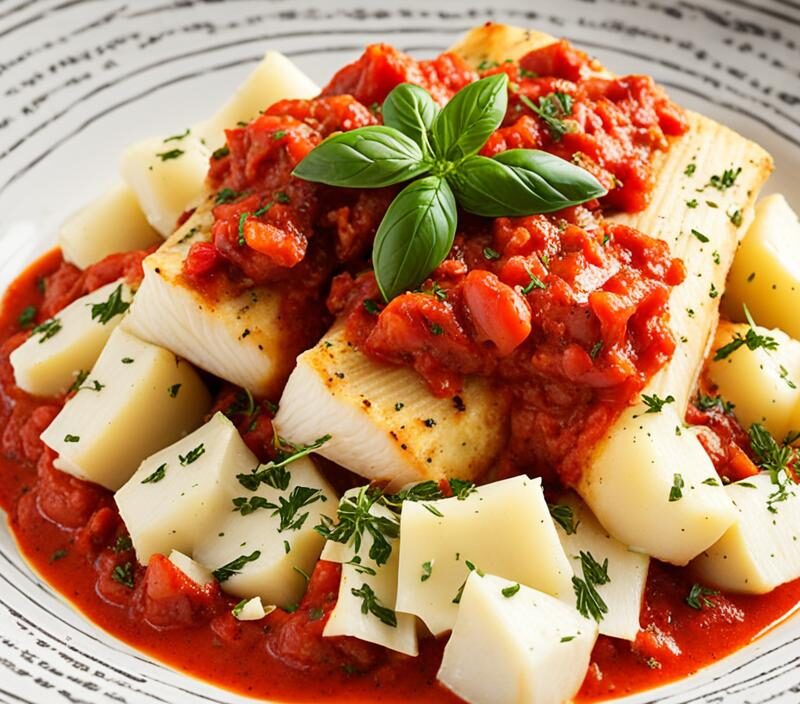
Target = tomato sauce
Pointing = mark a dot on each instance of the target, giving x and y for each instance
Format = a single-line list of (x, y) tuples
[(568, 312)]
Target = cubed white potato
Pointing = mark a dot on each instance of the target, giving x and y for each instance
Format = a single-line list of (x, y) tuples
[(112, 223), (192, 569), (280, 556), (633, 479), (275, 78), (502, 528), (627, 570), (138, 399), (386, 424), (766, 270), (513, 645), (48, 362), (761, 550), (244, 337), (168, 177), (763, 385), (251, 610), (362, 574), (177, 494)]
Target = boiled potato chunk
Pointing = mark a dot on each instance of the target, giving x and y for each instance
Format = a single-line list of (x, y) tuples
[(644, 484), (179, 492), (112, 223), (514, 645), (766, 271), (243, 337), (502, 528), (193, 570), (144, 399), (763, 384), (167, 177), (624, 592), (275, 78), (279, 554), (47, 365), (761, 550), (347, 617), (385, 423)]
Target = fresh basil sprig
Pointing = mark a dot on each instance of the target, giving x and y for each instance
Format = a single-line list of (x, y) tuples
[(419, 139)]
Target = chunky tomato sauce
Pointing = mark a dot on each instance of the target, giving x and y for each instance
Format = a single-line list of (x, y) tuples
[(566, 312)]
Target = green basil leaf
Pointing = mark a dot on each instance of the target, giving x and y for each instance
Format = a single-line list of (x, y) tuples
[(415, 235), (521, 182), (411, 110), (368, 157), (468, 120)]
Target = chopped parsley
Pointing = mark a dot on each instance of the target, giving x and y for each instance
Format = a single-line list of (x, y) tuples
[(736, 217), (159, 473), (589, 602), (370, 604), (535, 282), (178, 137), (72, 438), (713, 292), (552, 109), (700, 236), (371, 307), (289, 508), (247, 505), (751, 339), (242, 220), (676, 492), (221, 153), (471, 567), (711, 481), (490, 254), (691, 203), (355, 519), (171, 154), (725, 180), (59, 554), (777, 459), (698, 597), (427, 569), (124, 574), (80, 377), (123, 543), (510, 591), (654, 403), (690, 169), (233, 567), (47, 329), (27, 317), (437, 329), (288, 453), (785, 377), (564, 516), (127, 360), (708, 403), (462, 488), (596, 347), (226, 195), (173, 390), (192, 455), (112, 307)]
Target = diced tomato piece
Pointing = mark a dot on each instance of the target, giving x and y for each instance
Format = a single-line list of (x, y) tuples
[(500, 315), (168, 599), (64, 499)]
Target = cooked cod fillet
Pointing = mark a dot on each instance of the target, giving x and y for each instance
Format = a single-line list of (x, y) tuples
[(237, 337), (705, 238), (385, 424)]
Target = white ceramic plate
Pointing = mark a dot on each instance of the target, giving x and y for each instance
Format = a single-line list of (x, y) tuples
[(81, 79)]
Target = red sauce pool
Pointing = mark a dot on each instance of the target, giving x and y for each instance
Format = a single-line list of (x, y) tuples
[(675, 640)]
